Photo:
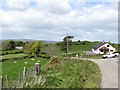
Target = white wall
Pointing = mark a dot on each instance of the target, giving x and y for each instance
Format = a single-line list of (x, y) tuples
[(97, 51)]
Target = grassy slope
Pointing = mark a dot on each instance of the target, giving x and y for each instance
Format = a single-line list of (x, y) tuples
[(10, 56), (73, 74), (85, 46), (80, 47), (13, 69)]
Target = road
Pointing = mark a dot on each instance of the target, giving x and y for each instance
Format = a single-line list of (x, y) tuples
[(109, 71)]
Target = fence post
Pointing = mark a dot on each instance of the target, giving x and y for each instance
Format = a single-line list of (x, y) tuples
[(19, 80), (25, 73), (7, 81), (1, 83), (37, 69)]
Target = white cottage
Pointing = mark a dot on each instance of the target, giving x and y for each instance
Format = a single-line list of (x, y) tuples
[(19, 47), (103, 48)]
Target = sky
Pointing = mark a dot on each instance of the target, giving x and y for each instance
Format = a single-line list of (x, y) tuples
[(52, 19)]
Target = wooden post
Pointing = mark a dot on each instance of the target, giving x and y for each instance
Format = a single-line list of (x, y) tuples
[(25, 73), (37, 69), (67, 45), (1, 83), (19, 79), (7, 81)]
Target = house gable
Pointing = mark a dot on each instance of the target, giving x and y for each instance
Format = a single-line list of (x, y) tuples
[(102, 48)]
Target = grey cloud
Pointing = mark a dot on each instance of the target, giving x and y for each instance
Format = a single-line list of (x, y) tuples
[(94, 23)]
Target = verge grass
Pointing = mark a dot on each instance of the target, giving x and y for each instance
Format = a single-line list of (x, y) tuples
[(73, 74)]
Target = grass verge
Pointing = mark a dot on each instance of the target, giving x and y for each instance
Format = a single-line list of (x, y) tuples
[(73, 74)]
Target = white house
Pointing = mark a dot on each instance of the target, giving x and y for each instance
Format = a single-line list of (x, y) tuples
[(19, 47), (103, 48)]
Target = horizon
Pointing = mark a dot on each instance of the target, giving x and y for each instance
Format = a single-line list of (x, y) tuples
[(59, 40)]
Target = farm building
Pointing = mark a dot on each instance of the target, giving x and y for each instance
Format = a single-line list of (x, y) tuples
[(19, 47), (103, 48)]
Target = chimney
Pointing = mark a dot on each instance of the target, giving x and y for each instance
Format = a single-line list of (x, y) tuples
[(103, 41)]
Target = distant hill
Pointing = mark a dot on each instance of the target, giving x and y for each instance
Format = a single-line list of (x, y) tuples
[(29, 40)]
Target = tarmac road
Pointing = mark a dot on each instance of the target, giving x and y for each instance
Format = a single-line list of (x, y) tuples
[(109, 71)]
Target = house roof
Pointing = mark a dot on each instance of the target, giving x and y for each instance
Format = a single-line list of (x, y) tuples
[(99, 45)]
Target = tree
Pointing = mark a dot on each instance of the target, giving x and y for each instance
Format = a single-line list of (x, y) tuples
[(33, 48), (52, 50), (36, 48), (79, 41), (28, 47), (8, 45), (67, 40), (19, 43)]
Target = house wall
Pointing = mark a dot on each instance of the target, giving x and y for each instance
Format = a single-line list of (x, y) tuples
[(19, 48), (111, 49), (95, 51)]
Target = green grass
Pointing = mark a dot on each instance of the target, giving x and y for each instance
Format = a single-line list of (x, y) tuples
[(76, 47), (93, 57), (66, 74), (10, 56), (73, 74), (12, 69), (82, 47), (6, 52)]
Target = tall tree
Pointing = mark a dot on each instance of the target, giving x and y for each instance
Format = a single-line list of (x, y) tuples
[(19, 43), (67, 40), (8, 45), (33, 48)]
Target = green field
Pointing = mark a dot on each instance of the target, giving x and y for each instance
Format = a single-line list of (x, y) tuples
[(65, 73), (13, 68), (79, 47), (10, 56), (6, 52)]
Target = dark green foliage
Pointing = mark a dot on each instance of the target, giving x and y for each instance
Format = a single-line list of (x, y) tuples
[(66, 40), (8, 45), (11, 52), (44, 55), (33, 48), (19, 43)]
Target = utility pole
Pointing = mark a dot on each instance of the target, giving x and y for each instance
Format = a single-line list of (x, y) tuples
[(67, 45)]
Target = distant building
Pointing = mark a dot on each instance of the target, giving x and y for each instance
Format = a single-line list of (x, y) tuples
[(19, 47), (103, 48)]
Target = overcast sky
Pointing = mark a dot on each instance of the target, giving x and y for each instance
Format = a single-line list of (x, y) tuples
[(53, 19)]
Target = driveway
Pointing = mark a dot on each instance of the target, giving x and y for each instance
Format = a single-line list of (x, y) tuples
[(109, 71)]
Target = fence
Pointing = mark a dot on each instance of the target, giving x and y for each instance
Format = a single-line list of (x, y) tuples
[(27, 79)]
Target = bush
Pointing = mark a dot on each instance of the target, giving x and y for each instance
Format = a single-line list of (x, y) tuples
[(11, 52), (44, 55)]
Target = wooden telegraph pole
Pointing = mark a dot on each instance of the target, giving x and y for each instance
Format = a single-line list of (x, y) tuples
[(67, 45)]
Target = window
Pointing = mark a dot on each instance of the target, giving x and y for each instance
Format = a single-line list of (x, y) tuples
[(111, 50), (108, 45)]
